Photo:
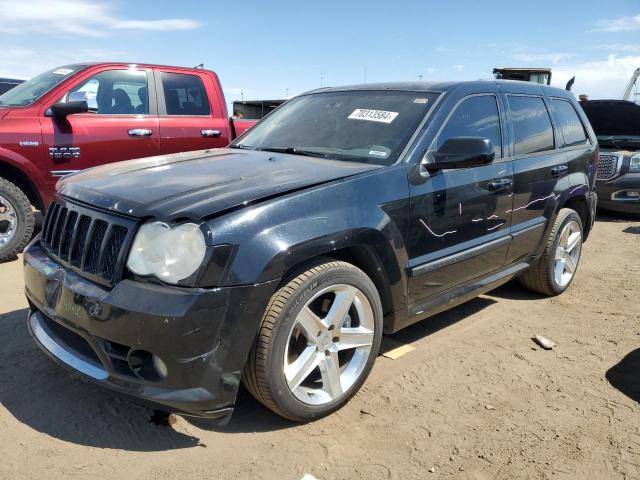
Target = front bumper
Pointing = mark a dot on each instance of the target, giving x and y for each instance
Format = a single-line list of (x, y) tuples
[(611, 193), (203, 336)]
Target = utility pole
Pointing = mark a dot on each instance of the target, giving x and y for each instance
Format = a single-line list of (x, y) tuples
[(321, 79), (286, 93), (242, 95), (420, 77), (365, 74)]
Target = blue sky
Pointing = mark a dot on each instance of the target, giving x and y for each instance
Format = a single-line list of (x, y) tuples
[(267, 50)]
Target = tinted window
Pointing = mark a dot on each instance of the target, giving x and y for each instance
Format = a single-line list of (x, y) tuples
[(531, 124), (359, 126), (572, 128), (114, 92), (184, 94), (474, 117)]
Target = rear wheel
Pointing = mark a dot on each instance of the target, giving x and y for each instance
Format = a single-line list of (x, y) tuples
[(318, 340), (554, 271), (16, 220)]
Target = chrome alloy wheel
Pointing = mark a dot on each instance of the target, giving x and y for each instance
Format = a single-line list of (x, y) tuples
[(567, 253), (329, 344), (8, 221)]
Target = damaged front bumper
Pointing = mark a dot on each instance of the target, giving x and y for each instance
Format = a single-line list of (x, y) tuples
[(180, 349)]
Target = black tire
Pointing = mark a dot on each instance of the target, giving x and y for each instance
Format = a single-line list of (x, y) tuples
[(540, 276), (264, 371), (24, 220)]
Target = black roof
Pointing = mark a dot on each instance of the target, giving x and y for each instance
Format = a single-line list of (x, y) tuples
[(444, 86)]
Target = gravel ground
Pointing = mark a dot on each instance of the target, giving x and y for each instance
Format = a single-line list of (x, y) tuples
[(475, 399)]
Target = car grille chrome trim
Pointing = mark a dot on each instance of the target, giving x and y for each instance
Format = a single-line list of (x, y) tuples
[(608, 166), (92, 243)]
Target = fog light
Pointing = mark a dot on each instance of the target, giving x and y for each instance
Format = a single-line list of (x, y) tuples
[(160, 366)]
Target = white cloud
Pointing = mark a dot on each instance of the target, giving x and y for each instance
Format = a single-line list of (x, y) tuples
[(598, 79), (621, 47), (20, 62), (554, 58), (622, 24), (431, 70), (458, 68), (76, 17)]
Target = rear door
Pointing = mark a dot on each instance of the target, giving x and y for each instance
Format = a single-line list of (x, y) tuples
[(121, 123), (540, 171), (191, 117), (460, 218)]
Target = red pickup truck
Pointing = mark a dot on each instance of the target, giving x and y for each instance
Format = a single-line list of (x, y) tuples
[(79, 116)]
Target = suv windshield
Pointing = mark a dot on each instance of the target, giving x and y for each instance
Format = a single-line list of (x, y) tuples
[(362, 126), (28, 92)]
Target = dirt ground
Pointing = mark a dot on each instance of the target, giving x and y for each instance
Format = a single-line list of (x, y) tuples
[(476, 398)]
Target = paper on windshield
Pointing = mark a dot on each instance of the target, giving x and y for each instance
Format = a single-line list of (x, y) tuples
[(381, 116), (63, 71)]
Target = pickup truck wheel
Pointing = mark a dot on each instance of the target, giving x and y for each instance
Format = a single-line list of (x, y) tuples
[(317, 343), (16, 220), (553, 272)]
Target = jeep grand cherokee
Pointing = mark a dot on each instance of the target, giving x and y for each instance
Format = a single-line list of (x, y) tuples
[(281, 260)]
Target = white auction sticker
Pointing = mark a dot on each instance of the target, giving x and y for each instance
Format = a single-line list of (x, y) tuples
[(63, 71), (373, 115)]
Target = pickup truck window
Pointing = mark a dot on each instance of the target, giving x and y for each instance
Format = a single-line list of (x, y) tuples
[(361, 126), (572, 128), (184, 94), (28, 92), (531, 124), (476, 116), (114, 92)]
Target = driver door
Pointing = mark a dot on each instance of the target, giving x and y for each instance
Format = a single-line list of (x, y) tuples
[(460, 218), (122, 122)]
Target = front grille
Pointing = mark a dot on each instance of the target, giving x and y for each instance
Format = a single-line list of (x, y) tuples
[(607, 167), (92, 243)]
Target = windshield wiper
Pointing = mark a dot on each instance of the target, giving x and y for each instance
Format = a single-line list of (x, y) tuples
[(295, 151), (242, 147)]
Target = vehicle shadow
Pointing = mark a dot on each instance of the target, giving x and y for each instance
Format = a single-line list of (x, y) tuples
[(615, 217), (56, 402), (51, 400), (635, 230), (514, 291), (624, 375)]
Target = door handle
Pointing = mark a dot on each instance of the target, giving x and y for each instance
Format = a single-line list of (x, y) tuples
[(205, 132), (559, 171), (500, 185), (140, 132)]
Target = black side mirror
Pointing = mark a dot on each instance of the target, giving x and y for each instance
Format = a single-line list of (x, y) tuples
[(462, 152), (61, 110)]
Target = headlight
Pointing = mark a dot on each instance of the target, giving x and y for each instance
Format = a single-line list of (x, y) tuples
[(169, 253), (634, 164)]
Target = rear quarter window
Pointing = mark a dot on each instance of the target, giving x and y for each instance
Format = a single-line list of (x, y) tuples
[(572, 127), (532, 128)]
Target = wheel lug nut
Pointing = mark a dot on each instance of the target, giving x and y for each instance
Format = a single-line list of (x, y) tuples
[(335, 339), (327, 353)]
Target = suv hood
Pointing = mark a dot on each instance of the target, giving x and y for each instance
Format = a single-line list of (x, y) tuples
[(199, 184)]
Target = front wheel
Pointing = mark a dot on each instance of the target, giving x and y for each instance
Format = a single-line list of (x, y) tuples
[(554, 270), (16, 220), (317, 343)]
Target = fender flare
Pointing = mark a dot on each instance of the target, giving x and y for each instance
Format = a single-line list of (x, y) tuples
[(33, 174)]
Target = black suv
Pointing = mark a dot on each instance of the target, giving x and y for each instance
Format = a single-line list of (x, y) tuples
[(281, 260), (617, 127)]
